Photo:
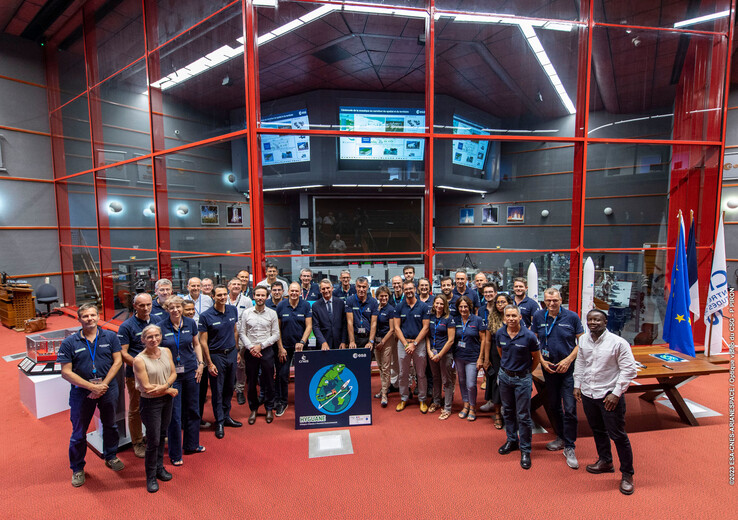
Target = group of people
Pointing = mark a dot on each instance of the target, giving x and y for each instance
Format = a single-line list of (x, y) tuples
[(243, 341)]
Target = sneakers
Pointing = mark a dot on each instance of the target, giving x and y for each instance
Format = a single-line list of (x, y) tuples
[(115, 464), (139, 450), (487, 407), (78, 478), (571, 458), (279, 411), (556, 444)]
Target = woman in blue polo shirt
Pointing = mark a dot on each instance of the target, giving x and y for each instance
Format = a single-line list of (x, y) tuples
[(494, 316), (469, 356), (439, 341), (384, 339), (179, 335)]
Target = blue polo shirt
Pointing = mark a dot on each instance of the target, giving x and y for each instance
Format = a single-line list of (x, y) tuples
[(528, 307), (129, 333), (452, 305), (311, 294), (362, 312), (75, 349), (180, 342), (384, 315), (438, 331), (516, 352), (158, 313), (219, 326), (292, 321), (468, 341), (411, 319), (471, 294), (557, 335), (395, 302), (270, 303), (340, 293)]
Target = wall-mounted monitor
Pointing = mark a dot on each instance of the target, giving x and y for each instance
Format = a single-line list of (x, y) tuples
[(285, 149), (369, 119), (469, 152)]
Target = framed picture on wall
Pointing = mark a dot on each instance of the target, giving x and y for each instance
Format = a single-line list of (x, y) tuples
[(466, 216), (491, 215), (515, 214), (209, 215), (235, 215)]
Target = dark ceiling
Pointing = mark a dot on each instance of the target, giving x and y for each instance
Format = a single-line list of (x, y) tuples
[(489, 66)]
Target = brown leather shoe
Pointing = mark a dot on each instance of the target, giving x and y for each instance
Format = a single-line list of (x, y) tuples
[(270, 416), (626, 484), (600, 467), (401, 406), (252, 417)]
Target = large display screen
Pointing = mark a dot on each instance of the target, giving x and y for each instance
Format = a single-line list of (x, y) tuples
[(471, 153), (285, 149), (364, 119)]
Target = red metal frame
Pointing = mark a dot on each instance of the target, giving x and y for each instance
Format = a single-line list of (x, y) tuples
[(428, 209)]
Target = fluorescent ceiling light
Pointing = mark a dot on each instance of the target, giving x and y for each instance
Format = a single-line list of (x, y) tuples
[(700, 19), (391, 11), (294, 187), (265, 3), (461, 189)]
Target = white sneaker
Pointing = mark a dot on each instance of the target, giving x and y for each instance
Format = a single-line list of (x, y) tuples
[(571, 458), (486, 407)]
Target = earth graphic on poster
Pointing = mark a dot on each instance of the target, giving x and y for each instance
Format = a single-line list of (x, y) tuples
[(333, 389)]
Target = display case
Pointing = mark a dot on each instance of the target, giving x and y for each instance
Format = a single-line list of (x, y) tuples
[(41, 352)]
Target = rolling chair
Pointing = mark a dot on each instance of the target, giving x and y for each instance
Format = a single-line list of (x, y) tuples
[(46, 294)]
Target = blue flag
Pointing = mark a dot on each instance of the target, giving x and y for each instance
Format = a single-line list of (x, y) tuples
[(677, 324)]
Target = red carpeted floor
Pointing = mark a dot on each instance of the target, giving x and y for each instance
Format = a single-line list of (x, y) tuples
[(406, 465)]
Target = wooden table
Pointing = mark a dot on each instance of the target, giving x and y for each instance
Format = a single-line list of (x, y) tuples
[(667, 379)]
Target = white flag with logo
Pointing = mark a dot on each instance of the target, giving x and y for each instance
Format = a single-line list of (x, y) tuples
[(717, 295)]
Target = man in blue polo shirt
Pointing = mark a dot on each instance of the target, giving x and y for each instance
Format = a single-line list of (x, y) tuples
[(163, 290), (558, 330), (89, 360), (528, 306), (275, 296), (462, 289), (218, 339), (129, 334), (295, 325), (345, 288), (309, 290), (412, 320), (361, 316), (519, 356), (447, 289)]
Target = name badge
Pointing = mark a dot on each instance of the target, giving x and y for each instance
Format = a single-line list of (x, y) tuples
[(179, 369), (361, 330), (544, 352), (462, 344)]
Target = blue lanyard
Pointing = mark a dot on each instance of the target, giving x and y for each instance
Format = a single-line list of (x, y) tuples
[(550, 329), (91, 351), (435, 326), (463, 326), (199, 300), (361, 310), (179, 329)]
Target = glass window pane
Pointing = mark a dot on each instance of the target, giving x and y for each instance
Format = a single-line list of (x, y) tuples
[(665, 13), (197, 82), (523, 193), (87, 274), (509, 76), (561, 9), (74, 136), (67, 53), (119, 34), (654, 85), (219, 268), (207, 192), (77, 197), (314, 50), (171, 17)]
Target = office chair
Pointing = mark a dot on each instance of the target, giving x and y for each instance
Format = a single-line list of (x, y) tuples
[(46, 294)]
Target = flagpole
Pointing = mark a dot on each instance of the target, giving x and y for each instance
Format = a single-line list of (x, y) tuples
[(709, 341)]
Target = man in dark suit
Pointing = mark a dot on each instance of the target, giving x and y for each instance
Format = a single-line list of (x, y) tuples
[(329, 319)]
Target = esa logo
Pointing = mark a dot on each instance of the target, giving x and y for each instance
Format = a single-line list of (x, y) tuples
[(358, 355), (303, 359)]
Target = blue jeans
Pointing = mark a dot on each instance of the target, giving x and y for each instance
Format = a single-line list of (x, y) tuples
[(185, 416), (222, 385), (515, 395), (282, 379), (81, 411), (156, 414), (467, 371), (560, 387)]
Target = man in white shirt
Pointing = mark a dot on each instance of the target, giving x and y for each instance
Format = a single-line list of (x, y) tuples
[(241, 302), (258, 330), (271, 277), (194, 292), (603, 371)]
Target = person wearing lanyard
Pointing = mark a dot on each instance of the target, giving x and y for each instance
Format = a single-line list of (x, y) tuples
[(309, 290), (447, 289), (179, 335), (495, 318), (89, 360), (528, 306), (558, 330), (241, 302), (412, 319), (468, 356), (155, 374), (480, 280), (395, 300), (295, 325), (424, 291), (129, 334), (344, 289), (383, 347), (361, 316), (202, 301), (163, 290), (439, 344), (218, 335), (462, 289), (519, 356)]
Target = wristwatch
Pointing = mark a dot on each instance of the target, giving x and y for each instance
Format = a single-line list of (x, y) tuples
[(371, 341)]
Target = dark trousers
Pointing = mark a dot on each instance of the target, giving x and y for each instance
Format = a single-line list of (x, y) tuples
[(222, 385), (282, 379), (156, 413), (560, 388), (607, 426), (81, 412), (185, 417), (203, 391), (492, 392), (515, 393), (265, 379)]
